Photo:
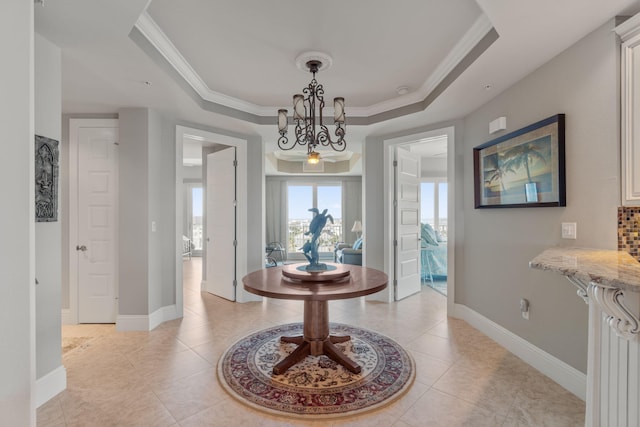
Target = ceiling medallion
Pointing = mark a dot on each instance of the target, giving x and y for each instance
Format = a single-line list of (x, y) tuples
[(310, 129)]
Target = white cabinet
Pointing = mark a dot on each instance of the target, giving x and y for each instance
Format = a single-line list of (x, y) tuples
[(629, 32)]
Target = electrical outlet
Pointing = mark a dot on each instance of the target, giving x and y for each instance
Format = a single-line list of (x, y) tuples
[(569, 230)]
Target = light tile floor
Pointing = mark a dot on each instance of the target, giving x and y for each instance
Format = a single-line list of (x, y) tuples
[(167, 377)]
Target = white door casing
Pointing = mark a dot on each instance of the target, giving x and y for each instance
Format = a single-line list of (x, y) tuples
[(407, 224), (221, 224), (93, 220)]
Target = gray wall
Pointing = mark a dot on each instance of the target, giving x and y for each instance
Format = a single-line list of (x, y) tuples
[(581, 82), (17, 259), (433, 167), (48, 87), (147, 195), (133, 220), (164, 181)]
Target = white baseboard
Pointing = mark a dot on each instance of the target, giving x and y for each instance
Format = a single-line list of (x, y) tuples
[(161, 315), (67, 318), (560, 372), (50, 385), (143, 322)]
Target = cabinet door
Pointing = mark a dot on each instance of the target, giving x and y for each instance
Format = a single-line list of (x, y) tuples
[(629, 33)]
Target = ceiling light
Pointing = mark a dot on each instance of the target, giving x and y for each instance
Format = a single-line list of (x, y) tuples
[(313, 158), (310, 129), (402, 90)]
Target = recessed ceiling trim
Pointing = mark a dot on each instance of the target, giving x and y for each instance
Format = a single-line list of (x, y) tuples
[(471, 38), (158, 39)]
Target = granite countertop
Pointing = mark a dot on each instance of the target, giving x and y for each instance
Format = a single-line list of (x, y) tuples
[(609, 268)]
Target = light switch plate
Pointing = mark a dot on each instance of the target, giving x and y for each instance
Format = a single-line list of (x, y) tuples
[(569, 230)]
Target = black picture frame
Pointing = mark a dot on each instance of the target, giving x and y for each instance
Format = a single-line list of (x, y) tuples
[(523, 169), (46, 179)]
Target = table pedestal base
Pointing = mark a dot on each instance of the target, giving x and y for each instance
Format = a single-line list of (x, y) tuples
[(316, 340)]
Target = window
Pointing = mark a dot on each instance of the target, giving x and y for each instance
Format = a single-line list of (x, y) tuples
[(196, 218), (302, 197), (433, 204)]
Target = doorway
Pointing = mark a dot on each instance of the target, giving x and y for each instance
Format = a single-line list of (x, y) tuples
[(439, 144), (193, 228), (209, 138)]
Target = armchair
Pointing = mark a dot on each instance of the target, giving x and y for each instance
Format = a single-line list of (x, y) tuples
[(346, 253), (187, 247)]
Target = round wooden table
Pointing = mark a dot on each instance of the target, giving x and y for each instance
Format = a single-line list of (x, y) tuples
[(316, 293)]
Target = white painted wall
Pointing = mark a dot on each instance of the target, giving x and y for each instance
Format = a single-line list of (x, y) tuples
[(48, 87), (17, 228)]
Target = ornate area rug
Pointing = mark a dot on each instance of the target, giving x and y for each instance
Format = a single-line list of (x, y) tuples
[(317, 387)]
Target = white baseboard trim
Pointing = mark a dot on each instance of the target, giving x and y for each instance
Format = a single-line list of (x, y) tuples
[(67, 318), (50, 385), (560, 372), (161, 315), (143, 322)]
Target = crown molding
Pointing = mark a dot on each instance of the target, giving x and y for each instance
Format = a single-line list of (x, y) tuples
[(471, 38), (159, 40)]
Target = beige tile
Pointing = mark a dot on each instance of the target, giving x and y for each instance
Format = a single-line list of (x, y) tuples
[(231, 413), (542, 402), (489, 387), (130, 408), (428, 368), (167, 376), (161, 367), (190, 395), (440, 348), (435, 409), (50, 414)]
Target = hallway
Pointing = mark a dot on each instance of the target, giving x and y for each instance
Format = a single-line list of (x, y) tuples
[(167, 377)]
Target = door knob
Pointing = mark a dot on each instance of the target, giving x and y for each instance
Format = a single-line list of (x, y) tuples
[(82, 248)]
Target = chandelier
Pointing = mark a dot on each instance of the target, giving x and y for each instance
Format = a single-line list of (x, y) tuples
[(309, 129)]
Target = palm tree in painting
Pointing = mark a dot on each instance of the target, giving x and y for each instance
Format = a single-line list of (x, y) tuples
[(522, 156), (497, 169), (498, 175)]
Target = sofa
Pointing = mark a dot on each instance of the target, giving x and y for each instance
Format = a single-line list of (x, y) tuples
[(347, 253)]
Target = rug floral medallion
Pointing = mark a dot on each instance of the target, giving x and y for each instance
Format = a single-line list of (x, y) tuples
[(318, 386)]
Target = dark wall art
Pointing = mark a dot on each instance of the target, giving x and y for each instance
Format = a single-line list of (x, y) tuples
[(46, 179), (525, 168)]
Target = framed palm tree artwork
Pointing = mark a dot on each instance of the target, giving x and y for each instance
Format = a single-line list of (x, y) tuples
[(525, 168)]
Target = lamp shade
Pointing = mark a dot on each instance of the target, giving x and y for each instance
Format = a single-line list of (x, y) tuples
[(357, 227), (282, 120), (298, 107), (338, 110)]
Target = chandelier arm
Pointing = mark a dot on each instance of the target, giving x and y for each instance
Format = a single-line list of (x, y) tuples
[(283, 141), (324, 138)]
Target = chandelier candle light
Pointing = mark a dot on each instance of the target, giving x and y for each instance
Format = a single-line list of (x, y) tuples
[(304, 117)]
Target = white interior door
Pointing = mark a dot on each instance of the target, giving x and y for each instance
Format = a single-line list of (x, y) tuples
[(407, 223), (221, 223), (97, 243)]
